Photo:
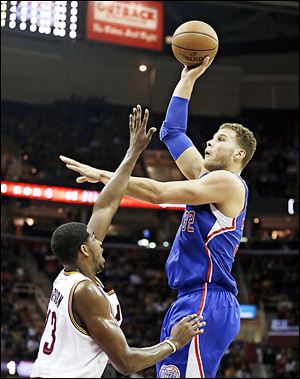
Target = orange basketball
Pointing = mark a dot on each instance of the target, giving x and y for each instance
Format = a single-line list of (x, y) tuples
[(193, 41)]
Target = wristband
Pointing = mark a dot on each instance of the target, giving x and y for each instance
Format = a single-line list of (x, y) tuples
[(171, 344)]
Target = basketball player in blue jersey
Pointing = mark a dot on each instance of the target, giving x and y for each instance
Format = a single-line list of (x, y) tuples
[(204, 249)]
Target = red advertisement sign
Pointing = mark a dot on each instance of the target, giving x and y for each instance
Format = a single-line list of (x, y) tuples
[(131, 23), (71, 195)]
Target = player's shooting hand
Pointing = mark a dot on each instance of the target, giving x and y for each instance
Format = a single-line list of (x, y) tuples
[(195, 72), (139, 137), (186, 329), (88, 173)]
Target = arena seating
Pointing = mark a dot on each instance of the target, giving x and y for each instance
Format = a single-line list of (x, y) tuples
[(88, 130)]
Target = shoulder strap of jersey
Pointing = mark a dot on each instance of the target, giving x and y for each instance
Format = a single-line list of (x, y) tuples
[(246, 191), (70, 310)]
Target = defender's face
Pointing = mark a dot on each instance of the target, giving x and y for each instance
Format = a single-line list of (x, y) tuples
[(96, 248), (220, 151)]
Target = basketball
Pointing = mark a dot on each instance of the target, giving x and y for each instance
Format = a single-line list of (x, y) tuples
[(193, 41)]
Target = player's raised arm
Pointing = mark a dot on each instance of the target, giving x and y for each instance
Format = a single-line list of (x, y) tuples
[(108, 201), (94, 311), (173, 130)]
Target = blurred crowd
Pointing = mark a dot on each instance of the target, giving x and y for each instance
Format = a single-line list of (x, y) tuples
[(273, 279), (239, 361), (272, 282), (21, 318), (139, 278), (95, 132)]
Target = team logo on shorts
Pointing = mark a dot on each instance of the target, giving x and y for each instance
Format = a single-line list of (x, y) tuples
[(169, 371)]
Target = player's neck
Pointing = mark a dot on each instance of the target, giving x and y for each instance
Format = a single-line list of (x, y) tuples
[(232, 170), (71, 268), (86, 271)]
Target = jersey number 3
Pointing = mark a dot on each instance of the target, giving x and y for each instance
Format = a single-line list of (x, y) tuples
[(48, 347), (188, 221)]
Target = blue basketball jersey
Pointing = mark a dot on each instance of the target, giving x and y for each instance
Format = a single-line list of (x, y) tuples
[(199, 267), (204, 248)]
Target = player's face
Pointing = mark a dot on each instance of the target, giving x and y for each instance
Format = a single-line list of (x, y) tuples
[(220, 151), (97, 253)]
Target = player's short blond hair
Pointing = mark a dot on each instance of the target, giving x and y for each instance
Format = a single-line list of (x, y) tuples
[(245, 139)]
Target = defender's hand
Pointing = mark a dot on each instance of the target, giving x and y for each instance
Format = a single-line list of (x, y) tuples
[(186, 329), (88, 173), (139, 137), (195, 72)]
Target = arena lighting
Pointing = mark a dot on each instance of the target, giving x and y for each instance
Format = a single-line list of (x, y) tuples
[(3, 12), (291, 203), (11, 366), (143, 242), (13, 15), (4, 188), (146, 233), (143, 68), (24, 368), (58, 18), (72, 195), (73, 19), (29, 221)]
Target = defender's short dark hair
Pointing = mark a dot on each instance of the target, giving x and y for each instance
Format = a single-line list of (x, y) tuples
[(67, 239)]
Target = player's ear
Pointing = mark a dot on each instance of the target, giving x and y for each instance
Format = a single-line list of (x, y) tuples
[(84, 250), (240, 154)]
